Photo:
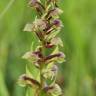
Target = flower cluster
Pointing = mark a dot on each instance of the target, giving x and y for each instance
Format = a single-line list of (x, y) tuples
[(46, 57)]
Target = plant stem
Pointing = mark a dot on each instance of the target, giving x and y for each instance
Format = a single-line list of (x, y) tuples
[(41, 69)]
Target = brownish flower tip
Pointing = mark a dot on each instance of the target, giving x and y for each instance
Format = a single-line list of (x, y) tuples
[(52, 56), (60, 55), (26, 78)]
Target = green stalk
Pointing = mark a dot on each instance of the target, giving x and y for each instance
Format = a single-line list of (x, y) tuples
[(41, 62)]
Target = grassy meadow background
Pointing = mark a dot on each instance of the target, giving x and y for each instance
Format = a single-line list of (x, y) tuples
[(77, 76)]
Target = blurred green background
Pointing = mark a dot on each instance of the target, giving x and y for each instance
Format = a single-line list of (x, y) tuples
[(77, 75)]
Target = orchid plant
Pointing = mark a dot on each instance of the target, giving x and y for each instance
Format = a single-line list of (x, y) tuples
[(43, 62)]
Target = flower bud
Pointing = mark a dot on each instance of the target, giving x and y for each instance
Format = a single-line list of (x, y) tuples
[(53, 90), (57, 41), (37, 5), (53, 2), (39, 24), (50, 72), (57, 23), (56, 91), (29, 55), (54, 12), (33, 2), (32, 57)]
